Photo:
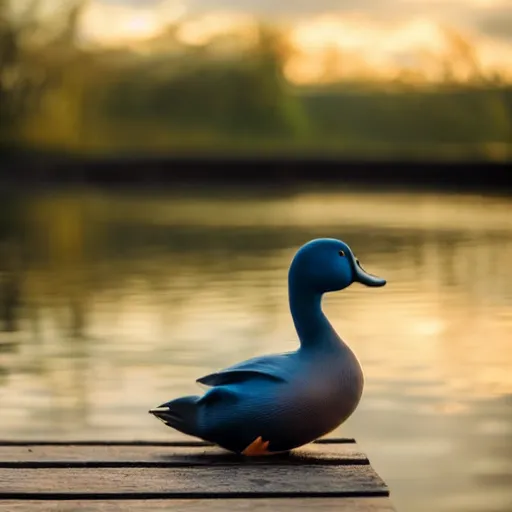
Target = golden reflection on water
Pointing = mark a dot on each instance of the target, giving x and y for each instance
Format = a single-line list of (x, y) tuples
[(111, 304)]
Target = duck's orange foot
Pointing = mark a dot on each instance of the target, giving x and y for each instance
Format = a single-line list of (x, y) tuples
[(257, 448)]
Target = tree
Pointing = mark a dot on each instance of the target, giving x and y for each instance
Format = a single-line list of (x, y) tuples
[(34, 53), (9, 55)]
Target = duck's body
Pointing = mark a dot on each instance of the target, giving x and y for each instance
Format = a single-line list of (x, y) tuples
[(275, 403), (302, 397)]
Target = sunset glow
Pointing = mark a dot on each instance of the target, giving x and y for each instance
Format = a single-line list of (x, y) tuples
[(203, 29), (366, 49), (326, 47), (116, 24)]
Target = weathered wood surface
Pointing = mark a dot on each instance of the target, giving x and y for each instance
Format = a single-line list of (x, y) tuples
[(43, 456), (200, 482), (190, 476), (236, 505)]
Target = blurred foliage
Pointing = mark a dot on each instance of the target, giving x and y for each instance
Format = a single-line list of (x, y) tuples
[(246, 94), (456, 115), (56, 94)]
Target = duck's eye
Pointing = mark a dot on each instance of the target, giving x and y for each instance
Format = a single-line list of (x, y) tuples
[(342, 253)]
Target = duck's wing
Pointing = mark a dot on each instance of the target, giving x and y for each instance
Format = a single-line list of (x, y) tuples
[(275, 367)]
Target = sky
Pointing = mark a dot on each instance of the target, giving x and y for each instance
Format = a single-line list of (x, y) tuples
[(489, 16), (332, 38)]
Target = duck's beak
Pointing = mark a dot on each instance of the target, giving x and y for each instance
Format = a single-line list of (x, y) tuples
[(158, 410), (160, 413), (361, 276)]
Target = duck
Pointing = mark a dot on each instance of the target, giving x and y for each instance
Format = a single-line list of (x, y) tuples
[(276, 403)]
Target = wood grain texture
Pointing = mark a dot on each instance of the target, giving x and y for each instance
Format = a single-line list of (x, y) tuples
[(261, 505), (199, 482), (102, 456)]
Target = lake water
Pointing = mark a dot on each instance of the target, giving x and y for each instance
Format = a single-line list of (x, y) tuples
[(111, 303)]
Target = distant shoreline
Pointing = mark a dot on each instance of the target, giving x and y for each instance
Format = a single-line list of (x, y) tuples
[(114, 172)]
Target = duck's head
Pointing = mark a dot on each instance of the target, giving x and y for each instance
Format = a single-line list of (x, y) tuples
[(328, 265)]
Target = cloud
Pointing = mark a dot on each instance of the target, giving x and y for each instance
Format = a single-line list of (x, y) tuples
[(319, 6), (267, 6), (295, 8), (497, 24), (492, 18), (115, 23)]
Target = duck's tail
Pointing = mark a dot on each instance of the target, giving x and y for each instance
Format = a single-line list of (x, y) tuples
[(180, 414)]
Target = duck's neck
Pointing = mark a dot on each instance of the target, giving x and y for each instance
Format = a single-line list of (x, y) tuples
[(312, 326)]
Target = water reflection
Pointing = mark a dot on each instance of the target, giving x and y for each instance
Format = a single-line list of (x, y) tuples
[(112, 303)]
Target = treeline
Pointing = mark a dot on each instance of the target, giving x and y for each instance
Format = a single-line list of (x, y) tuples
[(56, 95), (470, 115)]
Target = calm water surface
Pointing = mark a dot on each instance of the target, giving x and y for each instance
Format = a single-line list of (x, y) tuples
[(113, 303)]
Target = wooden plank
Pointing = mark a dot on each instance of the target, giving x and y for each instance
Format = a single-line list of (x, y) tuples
[(236, 505), (200, 482), (188, 442), (103, 456)]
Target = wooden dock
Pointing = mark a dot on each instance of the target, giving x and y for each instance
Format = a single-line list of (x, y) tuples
[(329, 475)]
